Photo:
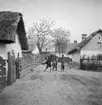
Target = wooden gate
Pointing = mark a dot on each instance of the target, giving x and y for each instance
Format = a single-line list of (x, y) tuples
[(2, 73), (11, 77)]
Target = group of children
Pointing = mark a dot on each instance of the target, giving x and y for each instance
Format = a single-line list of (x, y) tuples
[(53, 63), (50, 64)]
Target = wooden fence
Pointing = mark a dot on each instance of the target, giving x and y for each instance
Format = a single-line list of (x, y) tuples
[(91, 64), (11, 76), (9, 70), (2, 73), (29, 62), (17, 68)]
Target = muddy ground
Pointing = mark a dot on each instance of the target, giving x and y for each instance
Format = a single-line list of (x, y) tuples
[(71, 87)]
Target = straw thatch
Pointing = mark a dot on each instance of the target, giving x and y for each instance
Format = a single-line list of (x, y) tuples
[(11, 23), (84, 42)]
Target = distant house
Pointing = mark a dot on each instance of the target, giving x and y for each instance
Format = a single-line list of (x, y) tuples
[(12, 40), (65, 48), (91, 45), (49, 48), (71, 45), (32, 46)]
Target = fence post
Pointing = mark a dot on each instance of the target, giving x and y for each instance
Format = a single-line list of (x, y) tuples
[(11, 77), (2, 73), (17, 67)]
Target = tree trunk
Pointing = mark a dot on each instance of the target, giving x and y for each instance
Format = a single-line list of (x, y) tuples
[(59, 53), (40, 49)]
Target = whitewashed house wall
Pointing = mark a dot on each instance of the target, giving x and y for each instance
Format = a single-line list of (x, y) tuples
[(92, 48), (5, 48), (3, 51), (16, 47), (36, 50), (76, 57)]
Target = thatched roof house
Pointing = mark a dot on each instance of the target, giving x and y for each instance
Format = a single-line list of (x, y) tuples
[(11, 23), (84, 42), (91, 45)]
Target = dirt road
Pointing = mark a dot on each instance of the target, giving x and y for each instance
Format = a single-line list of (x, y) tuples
[(71, 87)]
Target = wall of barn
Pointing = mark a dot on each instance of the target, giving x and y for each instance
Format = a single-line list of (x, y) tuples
[(16, 47), (3, 51)]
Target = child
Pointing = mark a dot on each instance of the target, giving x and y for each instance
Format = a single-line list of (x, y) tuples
[(62, 63), (54, 65), (48, 62)]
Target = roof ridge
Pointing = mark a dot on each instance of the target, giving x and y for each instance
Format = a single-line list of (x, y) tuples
[(84, 42), (9, 12)]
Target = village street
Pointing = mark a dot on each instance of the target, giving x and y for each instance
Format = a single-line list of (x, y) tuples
[(71, 87)]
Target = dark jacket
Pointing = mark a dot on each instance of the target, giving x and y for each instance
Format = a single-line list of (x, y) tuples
[(62, 61), (48, 62)]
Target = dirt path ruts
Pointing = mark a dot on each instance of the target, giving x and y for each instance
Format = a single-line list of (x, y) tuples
[(55, 88)]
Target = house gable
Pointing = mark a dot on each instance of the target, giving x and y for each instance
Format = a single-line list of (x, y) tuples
[(84, 42), (88, 47), (92, 45)]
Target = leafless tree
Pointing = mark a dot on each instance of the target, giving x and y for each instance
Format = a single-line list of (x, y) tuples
[(41, 30)]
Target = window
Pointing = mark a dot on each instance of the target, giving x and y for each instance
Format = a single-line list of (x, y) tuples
[(99, 37), (99, 44)]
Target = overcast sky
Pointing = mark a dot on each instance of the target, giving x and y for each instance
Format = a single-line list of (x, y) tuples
[(78, 16)]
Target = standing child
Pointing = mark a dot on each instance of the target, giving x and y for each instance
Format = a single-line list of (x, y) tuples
[(62, 63), (54, 65), (56, 62), (48, 64)]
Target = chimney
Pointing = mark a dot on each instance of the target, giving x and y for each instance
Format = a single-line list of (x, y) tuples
[(75, 41), (84, 36)]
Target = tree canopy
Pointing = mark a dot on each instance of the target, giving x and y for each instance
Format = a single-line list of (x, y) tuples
[(42, 30), (60, 38)]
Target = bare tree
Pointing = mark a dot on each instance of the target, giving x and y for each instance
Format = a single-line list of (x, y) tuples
[(61, 38), (41, 30)]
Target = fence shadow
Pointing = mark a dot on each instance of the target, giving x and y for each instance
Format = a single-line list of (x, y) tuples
[(97, 70), (78, 66)]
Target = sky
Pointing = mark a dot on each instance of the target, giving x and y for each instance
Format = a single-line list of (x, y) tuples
[(78, 16)]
